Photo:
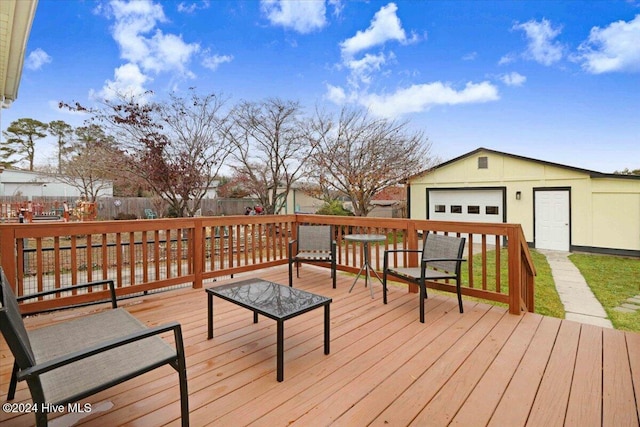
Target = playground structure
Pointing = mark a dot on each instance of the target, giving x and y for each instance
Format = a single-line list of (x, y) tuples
[(29, 211)]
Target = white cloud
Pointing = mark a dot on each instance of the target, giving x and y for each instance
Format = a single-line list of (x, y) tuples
[(158, 53), (384, 26), (167, 52), (132, 21), (513, 79), (336, 94), (507, 59), (146, 48), (471, 56), (37, 59), (338, 6), (128, 80), (421, 97), (541, 45), (613, 48), (361, 69), (301, 16), (212, 62), (186, 7)]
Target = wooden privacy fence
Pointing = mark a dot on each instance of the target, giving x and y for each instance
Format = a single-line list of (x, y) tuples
[(147, 255), (108, 208)]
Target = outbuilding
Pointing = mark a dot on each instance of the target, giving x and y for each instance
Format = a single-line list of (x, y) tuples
[(559, 207)]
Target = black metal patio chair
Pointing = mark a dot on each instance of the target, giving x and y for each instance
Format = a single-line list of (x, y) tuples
[(66, 362), (314, 244), (441, 259)]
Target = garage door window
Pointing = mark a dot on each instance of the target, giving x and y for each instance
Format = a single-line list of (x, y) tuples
[(473, 210), (440, 208), (456, 208), (492, 210)]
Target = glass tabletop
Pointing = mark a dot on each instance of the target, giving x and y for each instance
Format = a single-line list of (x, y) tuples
[(268, 298), (365, 237)]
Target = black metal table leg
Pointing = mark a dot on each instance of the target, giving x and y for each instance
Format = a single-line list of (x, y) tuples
[(327, 341), (280, 351), (210, 315)]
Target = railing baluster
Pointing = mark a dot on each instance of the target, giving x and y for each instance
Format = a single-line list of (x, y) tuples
[(74, 262), (484, 262), (132, 259), (498, 265)]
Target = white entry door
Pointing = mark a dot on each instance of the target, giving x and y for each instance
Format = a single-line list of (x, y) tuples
[(552, 219)]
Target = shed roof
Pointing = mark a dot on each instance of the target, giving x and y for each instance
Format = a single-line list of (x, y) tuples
[(591, 173)]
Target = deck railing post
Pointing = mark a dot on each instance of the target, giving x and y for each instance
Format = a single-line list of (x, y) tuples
[(8, 250), (197, 243), (412, 243), (515, 269)]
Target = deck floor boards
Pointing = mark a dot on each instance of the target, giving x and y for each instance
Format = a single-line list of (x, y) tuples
[(483, 367)]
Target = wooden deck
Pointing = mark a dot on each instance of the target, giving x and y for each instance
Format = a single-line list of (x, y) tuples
[(483, 367)]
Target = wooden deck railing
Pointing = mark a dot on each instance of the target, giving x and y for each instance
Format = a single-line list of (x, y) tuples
[(146, 255)]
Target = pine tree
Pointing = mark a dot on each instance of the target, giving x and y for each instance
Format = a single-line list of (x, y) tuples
[(19, 143)]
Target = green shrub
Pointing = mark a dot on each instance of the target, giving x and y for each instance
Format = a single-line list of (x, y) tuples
[(334, 208)]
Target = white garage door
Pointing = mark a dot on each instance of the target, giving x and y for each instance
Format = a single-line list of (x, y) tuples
[(466, 205)]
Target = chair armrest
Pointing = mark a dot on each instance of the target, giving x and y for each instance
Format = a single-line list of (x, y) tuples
[(402, 250), (101, 348), (291, 243), (443, 259), (385, 263), (112, 289)]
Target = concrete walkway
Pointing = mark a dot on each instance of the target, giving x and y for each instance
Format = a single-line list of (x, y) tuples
[(579, 302)]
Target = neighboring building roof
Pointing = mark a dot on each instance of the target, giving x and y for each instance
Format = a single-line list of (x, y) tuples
[(391, 193), (592, 174), (16, 17)]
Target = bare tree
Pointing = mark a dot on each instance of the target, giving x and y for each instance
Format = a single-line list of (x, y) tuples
[(271, 148), (176, 147), (20, 143), (87, 162), (358, 156)]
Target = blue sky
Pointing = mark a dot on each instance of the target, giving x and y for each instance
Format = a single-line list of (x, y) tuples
[(553, 80)]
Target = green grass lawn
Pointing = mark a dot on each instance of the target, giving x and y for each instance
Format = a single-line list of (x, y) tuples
[(547, 301), (612, 280)]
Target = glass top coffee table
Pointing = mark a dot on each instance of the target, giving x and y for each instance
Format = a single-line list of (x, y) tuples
[(275, 301)]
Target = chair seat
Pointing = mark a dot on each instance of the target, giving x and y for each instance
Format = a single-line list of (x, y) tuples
[(317, 256), (414, 273), (66, 383)]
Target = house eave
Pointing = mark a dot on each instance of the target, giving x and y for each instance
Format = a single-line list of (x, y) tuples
[(16, 18)]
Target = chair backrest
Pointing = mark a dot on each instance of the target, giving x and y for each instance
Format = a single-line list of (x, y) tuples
[(314, 238), (440, 246), (12, 325)]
